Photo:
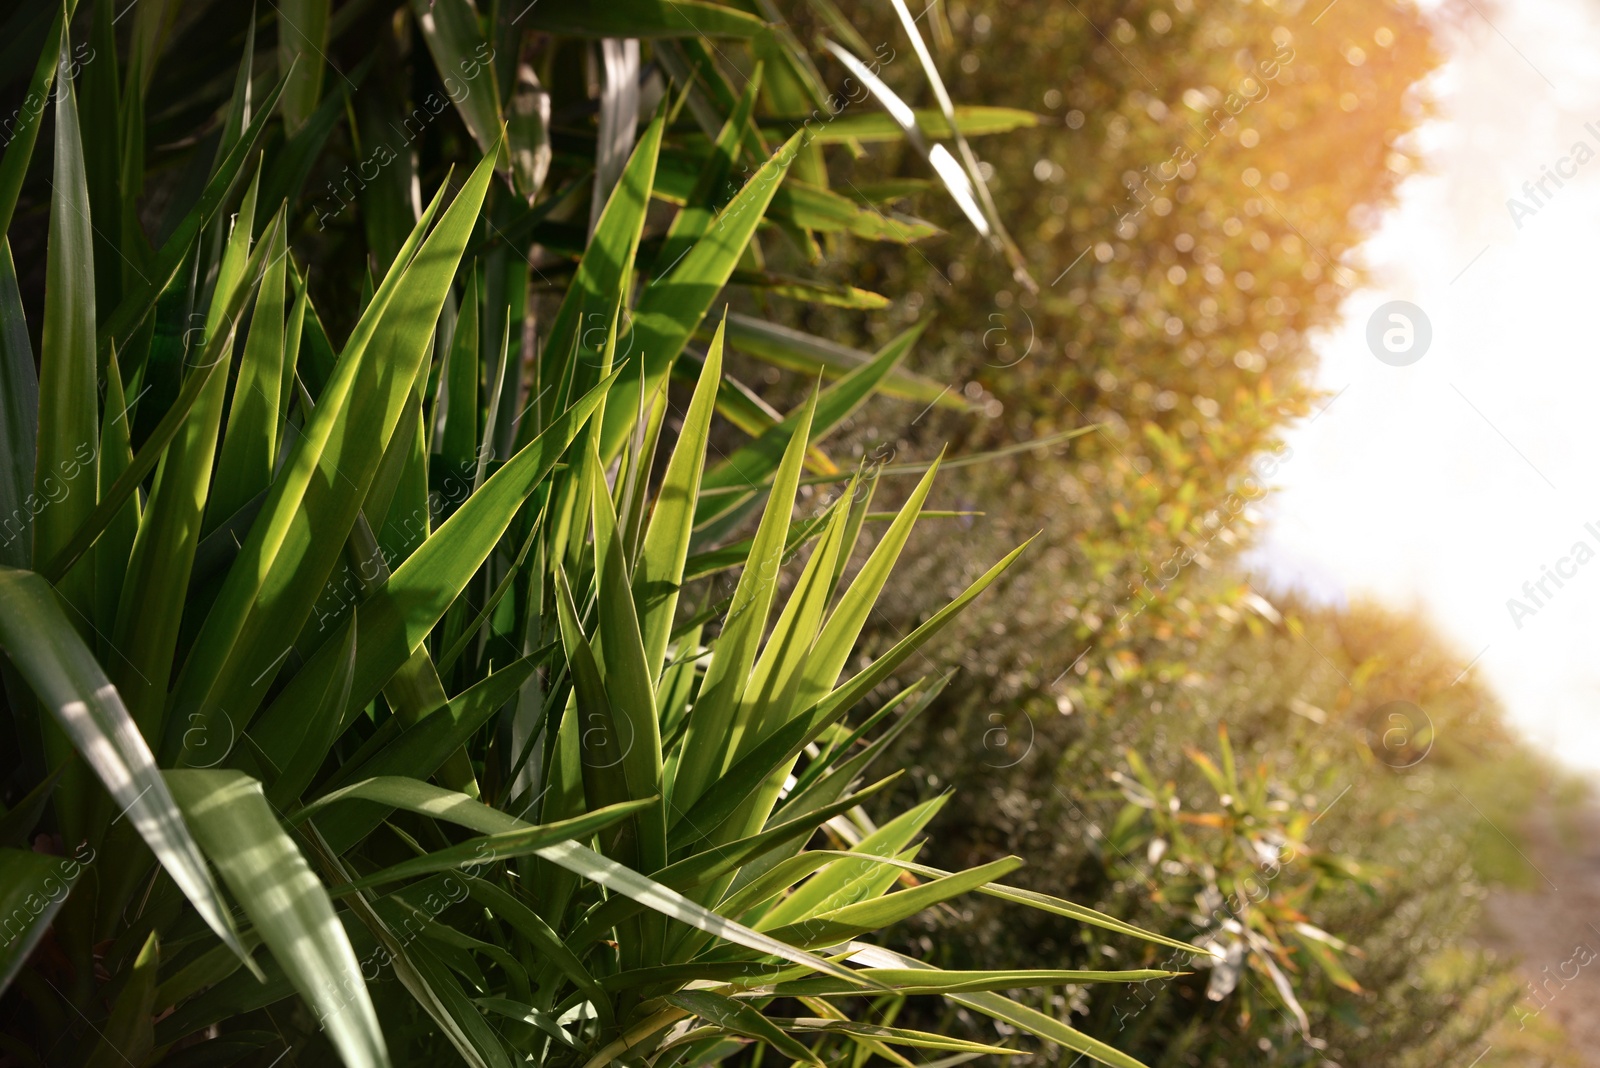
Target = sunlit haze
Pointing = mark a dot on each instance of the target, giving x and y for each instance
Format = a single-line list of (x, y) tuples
[(1447, 485)]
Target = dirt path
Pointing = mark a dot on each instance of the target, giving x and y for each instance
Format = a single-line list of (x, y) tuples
[(1554, 928)]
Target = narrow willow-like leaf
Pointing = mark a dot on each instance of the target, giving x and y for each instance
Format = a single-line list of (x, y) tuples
[(45, 648), (287, 903)]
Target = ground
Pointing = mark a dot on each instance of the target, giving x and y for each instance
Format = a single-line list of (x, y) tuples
[(1551, 926)]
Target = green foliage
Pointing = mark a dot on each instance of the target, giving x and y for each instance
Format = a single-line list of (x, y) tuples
[(1321, 823), (355, 557), (1184, 259)]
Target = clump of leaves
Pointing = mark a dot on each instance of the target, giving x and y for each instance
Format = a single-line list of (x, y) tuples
[(390, 633), (1246, 872)]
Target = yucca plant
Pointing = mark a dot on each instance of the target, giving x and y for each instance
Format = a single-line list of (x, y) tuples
[(409, 636)]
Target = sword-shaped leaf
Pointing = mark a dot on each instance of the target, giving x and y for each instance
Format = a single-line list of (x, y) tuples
[(713, 733), (127, 1036), (33, 887), (643, 18), (582, 328), (457, 808), (478, 853), (302, 43), (750, 466), (792, 350), (152, 602), (19, 151), (159, 272), (466, 65), (297, 540), (1004, 1009), (249, 446), (400, 613), (660, 571), (671, 306), (287, 903), (155, 446), (741, 1019), (836, 925), (66, 469), (45, 648), (19, 419)]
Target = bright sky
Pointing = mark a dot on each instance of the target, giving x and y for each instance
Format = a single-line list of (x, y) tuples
[(1445, 485)]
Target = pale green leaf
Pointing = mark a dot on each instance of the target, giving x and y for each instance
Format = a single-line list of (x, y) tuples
[(289, 906), (45, 648)]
